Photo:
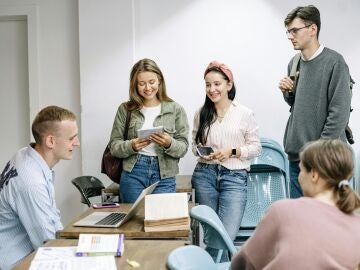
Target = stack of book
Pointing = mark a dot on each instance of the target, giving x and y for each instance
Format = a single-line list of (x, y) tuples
[(100, 245), (166, 212)]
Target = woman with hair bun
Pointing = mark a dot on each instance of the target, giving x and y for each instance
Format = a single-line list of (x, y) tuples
[(318, 231)]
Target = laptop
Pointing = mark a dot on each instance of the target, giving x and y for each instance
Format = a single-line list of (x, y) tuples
[(115, 219)]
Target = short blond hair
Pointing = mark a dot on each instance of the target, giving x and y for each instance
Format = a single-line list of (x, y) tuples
[(46, 121)]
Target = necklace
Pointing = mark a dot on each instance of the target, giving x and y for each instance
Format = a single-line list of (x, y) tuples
[(220, 118), (223, 113)]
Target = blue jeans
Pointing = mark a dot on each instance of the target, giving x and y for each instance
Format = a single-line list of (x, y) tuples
[(224, 191), (146, 172), (295, 188)]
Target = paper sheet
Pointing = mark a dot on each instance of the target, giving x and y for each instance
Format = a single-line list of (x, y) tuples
[(63, 258)]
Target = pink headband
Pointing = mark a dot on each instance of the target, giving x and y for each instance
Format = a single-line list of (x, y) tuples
[(222, 67)]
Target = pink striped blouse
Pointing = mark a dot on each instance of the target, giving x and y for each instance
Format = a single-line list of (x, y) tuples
[(238, 129)]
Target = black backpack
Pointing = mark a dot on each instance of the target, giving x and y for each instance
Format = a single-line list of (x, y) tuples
[(348, 131)]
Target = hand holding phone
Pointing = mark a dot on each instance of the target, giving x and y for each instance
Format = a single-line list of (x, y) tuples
[(105, 205), (204, 150)]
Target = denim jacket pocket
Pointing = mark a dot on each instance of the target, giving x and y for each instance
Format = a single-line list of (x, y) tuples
[(132, 130)]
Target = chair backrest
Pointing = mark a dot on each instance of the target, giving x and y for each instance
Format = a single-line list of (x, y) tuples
[(264, 188), (89, 186), (272, 156), (215, 234), (267, 183), (190, 257)]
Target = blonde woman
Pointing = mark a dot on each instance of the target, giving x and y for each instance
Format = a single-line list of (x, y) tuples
[(148, 160)]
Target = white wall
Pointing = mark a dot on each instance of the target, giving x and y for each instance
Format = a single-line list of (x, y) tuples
[(105, 34), (14, 86), (183, 37), (58, 80)]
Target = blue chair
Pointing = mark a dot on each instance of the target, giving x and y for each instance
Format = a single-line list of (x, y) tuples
[(268, 182), (215, 234), (272, 156), (194, 258)]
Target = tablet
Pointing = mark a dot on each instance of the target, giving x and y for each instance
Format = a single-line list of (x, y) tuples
[(145, 133)]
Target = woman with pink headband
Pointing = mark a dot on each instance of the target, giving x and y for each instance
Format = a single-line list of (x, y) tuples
[(220, 178)]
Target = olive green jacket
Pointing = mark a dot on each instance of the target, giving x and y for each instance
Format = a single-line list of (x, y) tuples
[(174, 120)]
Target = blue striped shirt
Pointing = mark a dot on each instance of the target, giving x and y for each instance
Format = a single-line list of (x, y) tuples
[(28, 212)]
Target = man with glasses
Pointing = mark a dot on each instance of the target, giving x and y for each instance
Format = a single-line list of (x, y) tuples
[(320, 107)]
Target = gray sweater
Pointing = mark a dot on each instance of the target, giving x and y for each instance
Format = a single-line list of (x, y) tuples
[(321, 108)]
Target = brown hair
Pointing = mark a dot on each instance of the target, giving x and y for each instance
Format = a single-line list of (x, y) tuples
[(333, 160), (309, 14), (46, 121), (136, 101)]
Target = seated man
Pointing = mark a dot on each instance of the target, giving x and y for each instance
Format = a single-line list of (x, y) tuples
[(28, 213)]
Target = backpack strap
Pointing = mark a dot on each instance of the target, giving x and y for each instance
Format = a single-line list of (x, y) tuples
[(352, 82), (294, 73)]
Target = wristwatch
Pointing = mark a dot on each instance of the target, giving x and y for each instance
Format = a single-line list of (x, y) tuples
[(233, 152)]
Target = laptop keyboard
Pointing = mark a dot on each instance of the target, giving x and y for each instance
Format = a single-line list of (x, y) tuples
[(111, 219)]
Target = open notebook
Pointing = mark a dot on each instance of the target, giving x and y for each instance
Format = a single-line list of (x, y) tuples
[(115, 219)]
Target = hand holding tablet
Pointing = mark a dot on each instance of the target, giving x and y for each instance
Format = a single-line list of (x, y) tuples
[(145, 133)]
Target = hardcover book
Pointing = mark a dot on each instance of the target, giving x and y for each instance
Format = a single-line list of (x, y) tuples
[(166, 212)]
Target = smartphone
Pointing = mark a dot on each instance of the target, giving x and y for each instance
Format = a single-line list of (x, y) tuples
[(105, 205), (204, 150)]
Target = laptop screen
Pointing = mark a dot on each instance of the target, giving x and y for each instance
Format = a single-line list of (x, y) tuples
[(98, 219)]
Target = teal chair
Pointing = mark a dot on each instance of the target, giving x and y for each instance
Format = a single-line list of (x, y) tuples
[(268, 182), (193, 258), (215, 234)]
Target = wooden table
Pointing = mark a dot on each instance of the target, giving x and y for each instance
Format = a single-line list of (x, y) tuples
[(134, 228), (151, 254), (183, 184)]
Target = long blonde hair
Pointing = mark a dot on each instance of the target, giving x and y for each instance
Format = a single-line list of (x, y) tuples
[(136, 102)]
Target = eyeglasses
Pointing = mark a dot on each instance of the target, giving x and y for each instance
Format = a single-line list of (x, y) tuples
[(294, 30)]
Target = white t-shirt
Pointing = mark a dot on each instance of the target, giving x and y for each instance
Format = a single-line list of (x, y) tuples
[(150, 114)]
